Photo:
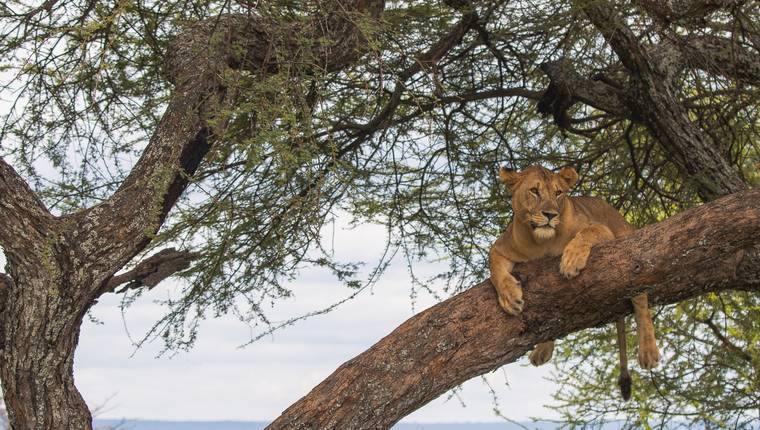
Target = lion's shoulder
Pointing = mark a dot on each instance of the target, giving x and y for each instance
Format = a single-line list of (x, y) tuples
[(597, 210)]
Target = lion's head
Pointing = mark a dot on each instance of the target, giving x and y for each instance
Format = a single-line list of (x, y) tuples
[(538, 196)]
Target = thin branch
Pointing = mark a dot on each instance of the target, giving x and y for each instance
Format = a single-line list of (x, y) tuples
[(744, 355), (694, 10)]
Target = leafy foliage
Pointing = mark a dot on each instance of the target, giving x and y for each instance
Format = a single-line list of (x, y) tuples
[(410, 137)]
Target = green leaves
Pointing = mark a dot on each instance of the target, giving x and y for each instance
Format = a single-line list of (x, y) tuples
[(410, 137)]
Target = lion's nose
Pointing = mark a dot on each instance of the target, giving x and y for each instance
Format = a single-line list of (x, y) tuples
[(550, 215)]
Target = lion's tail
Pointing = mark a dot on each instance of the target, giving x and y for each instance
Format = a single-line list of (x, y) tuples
[(624, 380)]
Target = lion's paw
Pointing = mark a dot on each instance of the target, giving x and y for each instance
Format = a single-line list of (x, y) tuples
[(511, 297), (542, 353), (573, 261), (649, 355)]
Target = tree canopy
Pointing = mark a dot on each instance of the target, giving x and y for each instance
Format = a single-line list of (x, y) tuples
[(396, 113)]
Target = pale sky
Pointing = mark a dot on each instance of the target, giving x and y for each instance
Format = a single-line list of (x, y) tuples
[(217, 380)]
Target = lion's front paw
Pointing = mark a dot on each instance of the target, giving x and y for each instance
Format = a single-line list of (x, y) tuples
[(649, 355), (542, 353), (573, 261), (511, 297)]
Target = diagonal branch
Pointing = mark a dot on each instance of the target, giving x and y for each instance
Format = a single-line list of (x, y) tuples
[(655, 100), (467, 335), (744, 355), (422, 61)]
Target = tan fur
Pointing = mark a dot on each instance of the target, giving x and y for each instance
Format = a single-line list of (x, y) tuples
[(547, 222)]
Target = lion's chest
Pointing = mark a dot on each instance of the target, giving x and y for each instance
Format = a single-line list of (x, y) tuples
[(553, 248)]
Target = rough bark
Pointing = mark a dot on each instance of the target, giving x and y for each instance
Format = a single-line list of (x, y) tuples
[(670, 57), (59, 266), (5, 285), (710, 248), (723, 57), (22, 214)]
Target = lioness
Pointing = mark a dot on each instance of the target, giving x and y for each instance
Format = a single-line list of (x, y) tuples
[(547, 222)]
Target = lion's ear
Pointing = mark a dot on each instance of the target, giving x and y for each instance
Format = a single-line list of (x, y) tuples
[(509, 177), (569, 175)]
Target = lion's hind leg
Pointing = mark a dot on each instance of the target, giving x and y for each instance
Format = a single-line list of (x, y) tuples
[(648, 355), (542, 353)]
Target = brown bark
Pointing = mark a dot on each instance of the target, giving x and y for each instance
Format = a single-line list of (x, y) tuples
[(710, 248), (22, 214), (59, 266), (724, 57)]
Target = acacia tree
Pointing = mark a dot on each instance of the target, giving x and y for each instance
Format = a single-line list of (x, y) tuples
[(224, 135)]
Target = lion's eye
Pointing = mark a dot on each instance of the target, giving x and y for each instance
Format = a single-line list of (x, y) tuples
[(558, 192), (534, 191)]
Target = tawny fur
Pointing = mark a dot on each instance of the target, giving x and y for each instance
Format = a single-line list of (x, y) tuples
[(548, 222)]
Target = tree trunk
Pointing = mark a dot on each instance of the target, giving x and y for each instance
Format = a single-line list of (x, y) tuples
[(42, 331), (710, 248), (42, 309)]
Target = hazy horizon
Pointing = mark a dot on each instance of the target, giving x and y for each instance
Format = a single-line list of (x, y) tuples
[(260, 425)]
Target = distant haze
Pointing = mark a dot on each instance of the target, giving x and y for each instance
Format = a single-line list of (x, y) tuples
[(257, 425)]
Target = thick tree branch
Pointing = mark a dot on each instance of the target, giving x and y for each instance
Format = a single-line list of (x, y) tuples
[(710, 248), (23, 217), (623, 41), (713, 54), (5, 284), (568, 87)]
